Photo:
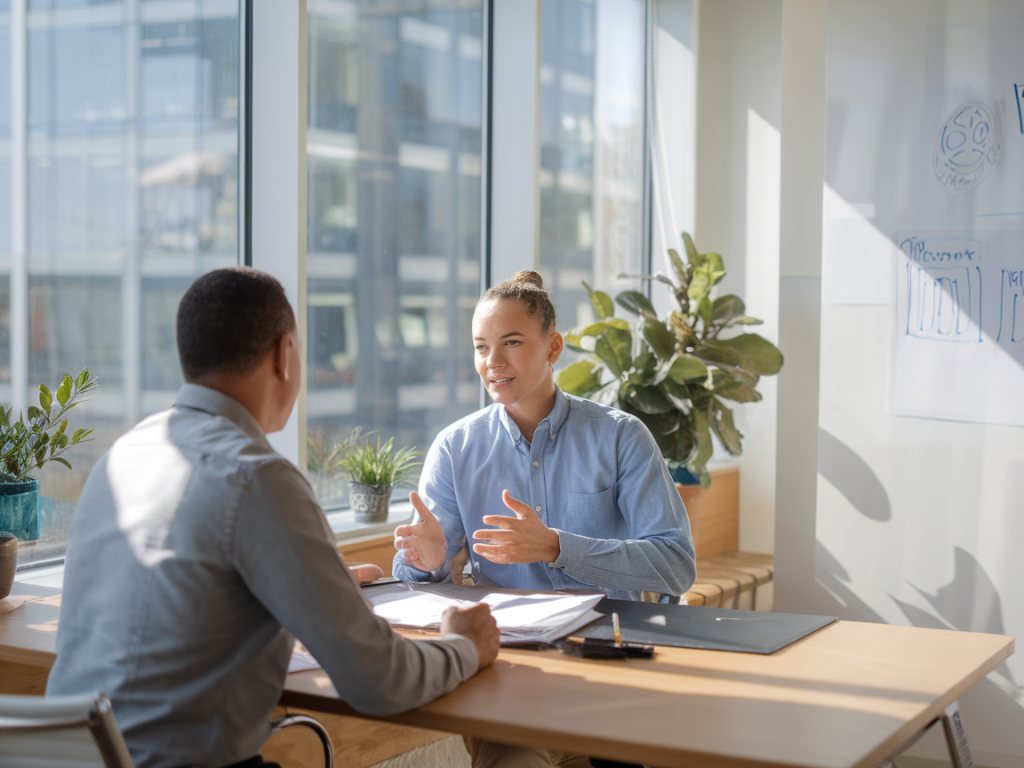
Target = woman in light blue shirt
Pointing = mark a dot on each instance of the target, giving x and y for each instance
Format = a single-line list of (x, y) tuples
[(556, 491)]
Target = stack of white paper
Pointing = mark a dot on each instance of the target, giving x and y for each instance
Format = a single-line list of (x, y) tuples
[(522, 619)]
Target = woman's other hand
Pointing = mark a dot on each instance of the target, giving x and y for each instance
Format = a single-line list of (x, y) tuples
[(520, 539), (422, 544)]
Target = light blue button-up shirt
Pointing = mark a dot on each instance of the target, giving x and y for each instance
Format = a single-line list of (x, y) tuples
[(592, 473)]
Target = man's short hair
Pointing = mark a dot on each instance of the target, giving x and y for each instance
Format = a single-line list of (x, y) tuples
[(229, 320)]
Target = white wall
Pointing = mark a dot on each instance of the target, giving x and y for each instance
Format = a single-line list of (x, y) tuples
[(737, 208)]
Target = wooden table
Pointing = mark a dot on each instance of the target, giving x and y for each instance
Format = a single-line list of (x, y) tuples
[(849, 696)]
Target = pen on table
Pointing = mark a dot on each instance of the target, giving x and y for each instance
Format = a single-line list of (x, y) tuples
[(615, 625)]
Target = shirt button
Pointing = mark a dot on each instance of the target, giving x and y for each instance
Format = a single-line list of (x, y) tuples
[(536, 463), (538, 507)]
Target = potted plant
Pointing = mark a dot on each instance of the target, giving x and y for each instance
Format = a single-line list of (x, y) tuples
[(374, 470), (675, 373), (26, 446)]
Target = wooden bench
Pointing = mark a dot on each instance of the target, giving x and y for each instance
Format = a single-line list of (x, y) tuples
[(726, 577)]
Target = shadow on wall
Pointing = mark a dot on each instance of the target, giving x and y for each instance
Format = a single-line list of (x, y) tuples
[(852, 477), (970, 603)]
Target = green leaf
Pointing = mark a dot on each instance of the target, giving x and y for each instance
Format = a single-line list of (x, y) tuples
[(746, 320), (648, 399), (661, 423), (63, 426), (716, 266), (678, 267), (725, 428), (614, 348), (704, 310), (637, 303), (5, 417), (727, 387), (757, 354), (579, 378), (597, 329), (687, 368), (45, 398), (691, 250), (59, 460), (34, 413), (64, 390), (661, 339), (83, 377), (645, 366), (716, 353), (608, 394), (727, 308), (704, 445), (602, 302)]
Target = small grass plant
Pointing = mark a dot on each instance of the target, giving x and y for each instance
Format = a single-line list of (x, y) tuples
[(365, 460)]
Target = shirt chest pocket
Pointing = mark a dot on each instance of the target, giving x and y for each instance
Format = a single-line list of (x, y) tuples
[(592, 514)]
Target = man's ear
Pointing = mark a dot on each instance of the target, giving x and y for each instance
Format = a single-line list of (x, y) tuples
[(557, 344), (281, 358)]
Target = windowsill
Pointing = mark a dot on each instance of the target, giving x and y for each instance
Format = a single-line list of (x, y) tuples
[(343, 523)]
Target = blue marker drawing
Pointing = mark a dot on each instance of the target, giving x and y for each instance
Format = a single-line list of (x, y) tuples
[(967, 148), (944, 289), (1018, 92), (1011, 288)]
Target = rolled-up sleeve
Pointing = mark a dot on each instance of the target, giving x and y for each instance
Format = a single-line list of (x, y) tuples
[(284, 550)]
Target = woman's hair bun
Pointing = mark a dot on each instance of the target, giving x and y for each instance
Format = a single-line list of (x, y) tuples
[(528, 276)]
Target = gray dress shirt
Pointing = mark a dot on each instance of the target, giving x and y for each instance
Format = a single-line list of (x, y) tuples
[(196, 555)]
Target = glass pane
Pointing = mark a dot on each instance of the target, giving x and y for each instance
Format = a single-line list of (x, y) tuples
[(394, 220), (131, 165), (592, 149)]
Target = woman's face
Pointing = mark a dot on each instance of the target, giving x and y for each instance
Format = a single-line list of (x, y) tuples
[(514, 356)]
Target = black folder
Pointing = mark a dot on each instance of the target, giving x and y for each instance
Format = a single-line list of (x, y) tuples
[(698, 626)]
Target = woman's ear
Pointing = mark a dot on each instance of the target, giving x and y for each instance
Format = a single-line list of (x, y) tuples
[(557, 344)]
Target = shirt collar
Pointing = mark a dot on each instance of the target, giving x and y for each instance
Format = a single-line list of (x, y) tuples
[(554, 419), (196, 397)]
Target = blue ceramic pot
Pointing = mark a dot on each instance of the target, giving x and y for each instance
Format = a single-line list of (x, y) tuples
[(19, 509), (683, 476)]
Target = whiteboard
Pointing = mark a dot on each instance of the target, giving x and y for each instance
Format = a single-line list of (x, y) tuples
[(958, 327)]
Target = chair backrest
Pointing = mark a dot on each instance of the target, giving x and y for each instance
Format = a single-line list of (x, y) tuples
[(60, 732)]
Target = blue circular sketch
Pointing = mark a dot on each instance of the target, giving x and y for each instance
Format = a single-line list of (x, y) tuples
[(967, 148)]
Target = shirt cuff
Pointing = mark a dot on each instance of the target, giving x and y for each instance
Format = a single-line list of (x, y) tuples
[(410, 573), (573, 549), (466, 649)]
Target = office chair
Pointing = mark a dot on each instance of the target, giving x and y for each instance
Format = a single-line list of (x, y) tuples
[(60, 732), (287, 721)]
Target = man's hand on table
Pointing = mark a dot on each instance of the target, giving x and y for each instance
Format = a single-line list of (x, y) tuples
[(476, 623), (422, 544), (520, 539), (366, 572)]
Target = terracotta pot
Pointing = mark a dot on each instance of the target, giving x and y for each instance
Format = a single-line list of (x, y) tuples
[(8, 562)]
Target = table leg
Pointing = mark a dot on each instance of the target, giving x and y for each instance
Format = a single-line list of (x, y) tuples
[(955, 737)]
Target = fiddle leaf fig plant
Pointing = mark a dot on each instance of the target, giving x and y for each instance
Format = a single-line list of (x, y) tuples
[(27, 445), (674, 373)]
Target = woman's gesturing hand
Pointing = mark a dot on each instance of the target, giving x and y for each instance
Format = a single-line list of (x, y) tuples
[(520, 539), (422, 544)]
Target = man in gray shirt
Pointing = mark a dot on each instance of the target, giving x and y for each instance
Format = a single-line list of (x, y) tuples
[(197, 555)]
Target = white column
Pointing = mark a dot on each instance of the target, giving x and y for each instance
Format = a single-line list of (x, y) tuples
[(803, 163), (279, 173), (19, 208), (515, 132), (131, 277)]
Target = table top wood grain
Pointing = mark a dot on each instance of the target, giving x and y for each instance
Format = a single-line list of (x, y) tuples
[(847, 696)]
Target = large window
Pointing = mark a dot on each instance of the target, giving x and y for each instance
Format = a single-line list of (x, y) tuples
[(592, 150), (393, 261), (126, 118)]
